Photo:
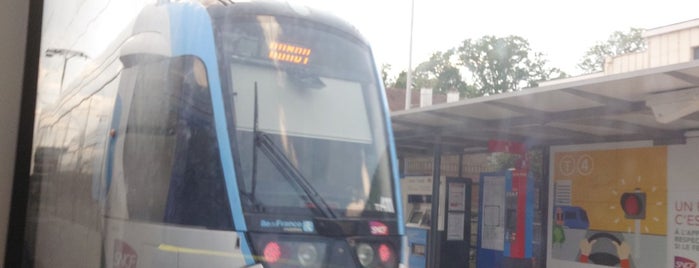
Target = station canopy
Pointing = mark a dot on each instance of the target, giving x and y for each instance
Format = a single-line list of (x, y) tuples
[(657, 104)]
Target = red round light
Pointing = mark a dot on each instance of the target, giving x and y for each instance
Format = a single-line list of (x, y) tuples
[(272, 252), (385, 253), (631, 205)]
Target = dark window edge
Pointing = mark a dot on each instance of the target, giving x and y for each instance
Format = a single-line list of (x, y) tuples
[(15, 244)]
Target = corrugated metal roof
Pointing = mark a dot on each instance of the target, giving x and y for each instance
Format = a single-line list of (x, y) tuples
[(599, 109)]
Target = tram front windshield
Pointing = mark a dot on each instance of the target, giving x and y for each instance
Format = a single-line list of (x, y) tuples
[(306, 95)]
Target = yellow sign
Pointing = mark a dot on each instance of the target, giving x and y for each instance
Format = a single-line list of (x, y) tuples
[(595, 181), (289, 53)]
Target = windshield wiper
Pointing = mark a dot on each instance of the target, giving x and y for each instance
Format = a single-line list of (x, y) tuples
[(251, 195), (284, 166)]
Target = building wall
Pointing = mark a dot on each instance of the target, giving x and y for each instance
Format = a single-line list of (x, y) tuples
[(627, 63), (472, 166), (13, 25), (666, 46), (672, 48)]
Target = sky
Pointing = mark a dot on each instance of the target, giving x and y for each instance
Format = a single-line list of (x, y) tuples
[(86, 26), (561, 30)]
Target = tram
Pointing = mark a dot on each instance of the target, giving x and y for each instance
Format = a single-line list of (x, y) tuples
[(252, 134)]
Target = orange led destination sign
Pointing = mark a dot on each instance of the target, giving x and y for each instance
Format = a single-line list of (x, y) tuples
[(289, 53)]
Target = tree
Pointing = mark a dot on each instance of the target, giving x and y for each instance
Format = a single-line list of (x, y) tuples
[(401, 80), (503, 64), (385, 68), (439, 73), (618, 43)]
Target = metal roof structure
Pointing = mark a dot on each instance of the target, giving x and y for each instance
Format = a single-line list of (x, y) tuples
[(588, 109)]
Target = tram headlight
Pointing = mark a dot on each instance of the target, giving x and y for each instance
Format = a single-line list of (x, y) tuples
[(272, 252), (376, 253), (365, 254), (290, 250), (275, 250), (307, 254), (385, 253)]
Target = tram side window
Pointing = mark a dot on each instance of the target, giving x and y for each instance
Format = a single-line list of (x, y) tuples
[(149, 143), (171, 156)]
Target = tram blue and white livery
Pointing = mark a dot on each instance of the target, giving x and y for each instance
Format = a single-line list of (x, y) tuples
[(251, 134)]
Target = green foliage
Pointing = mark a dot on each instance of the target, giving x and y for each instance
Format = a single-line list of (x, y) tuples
[(401, 80), (505, 161), (503, 64), (496, 65), (618, 43), (439, 73)]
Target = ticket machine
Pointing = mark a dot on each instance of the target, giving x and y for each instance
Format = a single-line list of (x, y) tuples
[(417, 228), (506, 220), (453, 225)]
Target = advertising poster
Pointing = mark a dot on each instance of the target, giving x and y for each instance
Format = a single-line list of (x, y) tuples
[(594, 192), (683, 236), (457, 196), (456, 211), (455, 226), (493, 224), (683, 206)]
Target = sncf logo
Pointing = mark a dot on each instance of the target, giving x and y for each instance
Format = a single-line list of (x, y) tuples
[(124, 255), (378, 228), (681, 262)]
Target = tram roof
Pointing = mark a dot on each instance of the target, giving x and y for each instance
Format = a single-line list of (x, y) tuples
[(579, 110)]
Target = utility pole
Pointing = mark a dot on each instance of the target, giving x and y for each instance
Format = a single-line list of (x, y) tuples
[(67, 55), (408, 79)]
